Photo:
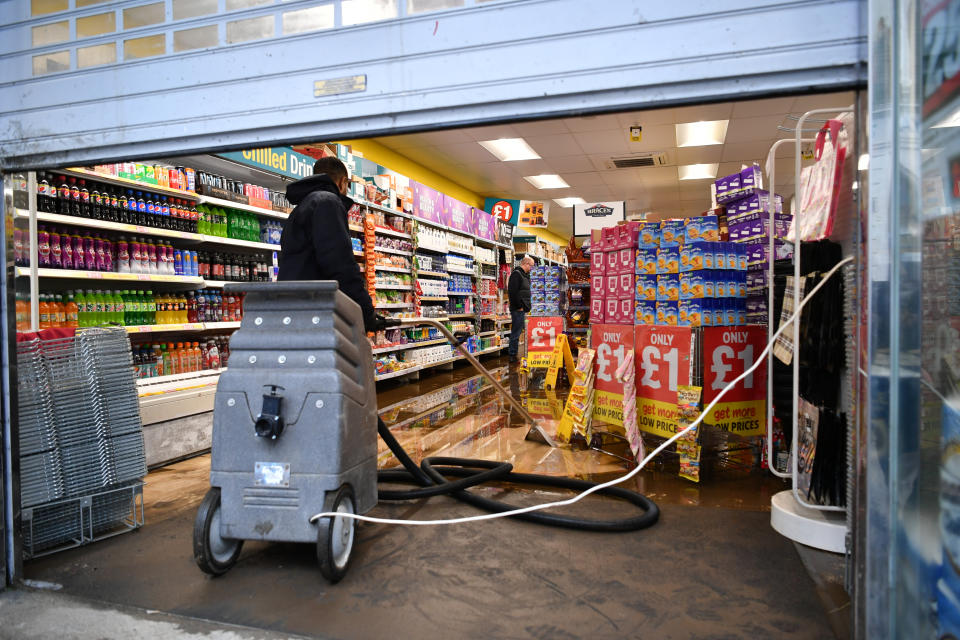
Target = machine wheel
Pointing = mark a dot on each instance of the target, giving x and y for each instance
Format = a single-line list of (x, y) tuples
[(214, 555), (335, 537)]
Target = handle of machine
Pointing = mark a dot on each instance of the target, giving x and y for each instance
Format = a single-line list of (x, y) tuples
[(453, 340)]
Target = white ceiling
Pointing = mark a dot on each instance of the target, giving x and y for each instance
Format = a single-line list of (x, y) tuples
[(577, 148)]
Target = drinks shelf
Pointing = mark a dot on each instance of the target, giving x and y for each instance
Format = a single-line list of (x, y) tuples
[(383, 231), (189, 326), (44, 272)]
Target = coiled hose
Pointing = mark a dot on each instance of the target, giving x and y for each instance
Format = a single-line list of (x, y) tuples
[(432, 474)]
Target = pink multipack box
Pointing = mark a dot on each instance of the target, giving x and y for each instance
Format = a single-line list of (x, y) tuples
[(626, 258), (612, 260), (628, 282), (596, 241), (612, 285), (597, 311), (610, 237), (627, 235), (598, 262), (598, 286), (611, 309), (626, 308)]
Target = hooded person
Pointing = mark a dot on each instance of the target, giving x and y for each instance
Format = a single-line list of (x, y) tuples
[(315, 243)]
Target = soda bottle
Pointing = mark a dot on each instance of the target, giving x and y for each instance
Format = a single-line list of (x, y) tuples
[(43, 246), (84, 199), (136, 310), (56, 250), (74, 197), (184, 358), (167, 360), (81, 300), (191, 307), (212, 356), (150, 308), (60, 311), (167, 213), (183, 314), (44, 308), (170, 254), (197, 357), (96, 204), (100, 253), (19, 248), (90, 252), (194, 217), (115, 209), (63, 196), (43, 194), (20, 311), (123, 256), (117, 304), (71, 311), (100, 309), (66, 250)]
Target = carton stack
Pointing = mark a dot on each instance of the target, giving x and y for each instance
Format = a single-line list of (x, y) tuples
[(547, 297), (749, 224), (687, 277), (612, 274)]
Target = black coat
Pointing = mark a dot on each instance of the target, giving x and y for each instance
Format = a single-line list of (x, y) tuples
[(518, 290), (315, 244)]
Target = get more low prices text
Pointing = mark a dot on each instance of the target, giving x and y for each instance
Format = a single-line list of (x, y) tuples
[(728, 352), (663, 363)]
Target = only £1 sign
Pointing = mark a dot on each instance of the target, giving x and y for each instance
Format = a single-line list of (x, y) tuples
[(727, 353), (663, 363), (611, 342), (541, 339)]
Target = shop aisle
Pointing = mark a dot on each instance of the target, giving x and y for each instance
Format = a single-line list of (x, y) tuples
[(711, 567)]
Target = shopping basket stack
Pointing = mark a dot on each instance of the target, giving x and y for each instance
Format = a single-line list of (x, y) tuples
[(82, 458)]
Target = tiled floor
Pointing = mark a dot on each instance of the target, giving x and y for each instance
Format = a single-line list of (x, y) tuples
[(711, 567)]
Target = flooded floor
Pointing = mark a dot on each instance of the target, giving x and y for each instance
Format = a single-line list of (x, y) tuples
[(711, 567)]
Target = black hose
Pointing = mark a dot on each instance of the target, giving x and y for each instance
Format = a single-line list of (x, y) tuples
[(432, 476)]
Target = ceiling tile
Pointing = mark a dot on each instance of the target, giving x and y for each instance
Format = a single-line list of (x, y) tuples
[(585, 179), (746, 152), (491, 132), (571, 164), (557, 145), (822, 101), (541, 128), (721, 111), (404, 141), (765, 107), (659, 137), (610, 141), (592, 123), (647, 118), (754, 129), (467, 153), (445, 137)]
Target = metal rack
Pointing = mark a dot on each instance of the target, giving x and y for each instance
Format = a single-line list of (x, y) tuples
[(82, 452)]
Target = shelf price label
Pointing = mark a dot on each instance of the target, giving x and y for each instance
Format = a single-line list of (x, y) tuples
[(611, 342), (727, 353), (663, 363), (541, 339)]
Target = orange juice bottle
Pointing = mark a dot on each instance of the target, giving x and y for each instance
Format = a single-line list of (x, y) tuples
[(197, 357), (60, 312), (44, 312), (174, 359), (72, 310), (183, 357), (23, 313)]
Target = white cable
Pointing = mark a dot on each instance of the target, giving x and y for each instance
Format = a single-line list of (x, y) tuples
[(611, 483)]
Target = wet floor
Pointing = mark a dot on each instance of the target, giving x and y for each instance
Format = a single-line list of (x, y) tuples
[(711, 567)]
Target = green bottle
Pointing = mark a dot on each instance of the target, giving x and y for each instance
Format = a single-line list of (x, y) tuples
[(140, 308), (117, 308), (167, 362), (151, 308), (81, 301), (125, 299), (100, 309)]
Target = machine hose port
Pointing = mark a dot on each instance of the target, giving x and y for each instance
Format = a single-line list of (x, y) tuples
[(269, 424)]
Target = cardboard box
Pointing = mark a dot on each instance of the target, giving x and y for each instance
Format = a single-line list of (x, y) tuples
[(668, 313), (728, 188), (645, 312), (751, 179), (671, 233), (668, 260), (627, 310), (701, 229), (627, 258), (691, 285), (627, 235), (649, 235), (610, 238), (598, 286), (720, 255), (597, 311), (596, 241), (611, 310), (646, 287), (598, 262), (612, 260), (647, 261), (707, 254), (612, 285), (706, 312), (628, 282), (709, 284), (668, 286)]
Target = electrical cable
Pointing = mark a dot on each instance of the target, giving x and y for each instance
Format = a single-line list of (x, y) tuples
[(428, 475)]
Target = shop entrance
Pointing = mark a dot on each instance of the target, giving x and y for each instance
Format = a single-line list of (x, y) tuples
[(433, 401)]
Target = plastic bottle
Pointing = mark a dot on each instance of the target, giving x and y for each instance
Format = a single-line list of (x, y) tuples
[(63, 196), (43, 246), (149, 307), (90, 252), (66, 250), (212, 356), (123, 256), (96, 204), (74, 197), (184, 357), (100, 253), (44, 309), (56, 250), (191, 307), (167, 361), (81, 301), (152, 259), (116, 303), (84, 198), (43, 194), (60, 311), (197, 357)]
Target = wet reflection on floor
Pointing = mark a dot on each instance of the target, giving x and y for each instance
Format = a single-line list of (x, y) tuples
[(459, 413)]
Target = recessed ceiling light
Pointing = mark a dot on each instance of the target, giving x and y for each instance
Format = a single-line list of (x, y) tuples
[(547, 181), (569, 202), (698, 171), (509, 149), (701, 134)]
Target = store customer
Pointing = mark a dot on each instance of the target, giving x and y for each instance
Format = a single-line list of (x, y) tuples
[(518, 290), (315, 244)]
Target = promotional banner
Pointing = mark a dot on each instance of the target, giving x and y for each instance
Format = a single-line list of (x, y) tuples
[(663, 363), (459, 216), (503, 209), (542, 335), (484, 224), (504, 232), (611, 342), (282, 160), (728, 352), (597, 215), (427, 203), (534, 213)]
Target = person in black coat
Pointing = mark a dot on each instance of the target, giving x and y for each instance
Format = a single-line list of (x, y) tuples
[(315, 243), (518, 291)]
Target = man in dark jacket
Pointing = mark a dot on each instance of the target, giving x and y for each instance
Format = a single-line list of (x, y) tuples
[(518, 290), (315, 244)]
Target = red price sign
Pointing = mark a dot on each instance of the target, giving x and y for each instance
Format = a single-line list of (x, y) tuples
[(541, 339), (727, 353), (663, 364), (611, 342), (502, 209)]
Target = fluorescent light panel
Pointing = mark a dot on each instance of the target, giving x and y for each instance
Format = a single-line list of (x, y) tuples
[(566, 203), (510, 149), (701, 134), (698, 171), (547, 181)]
